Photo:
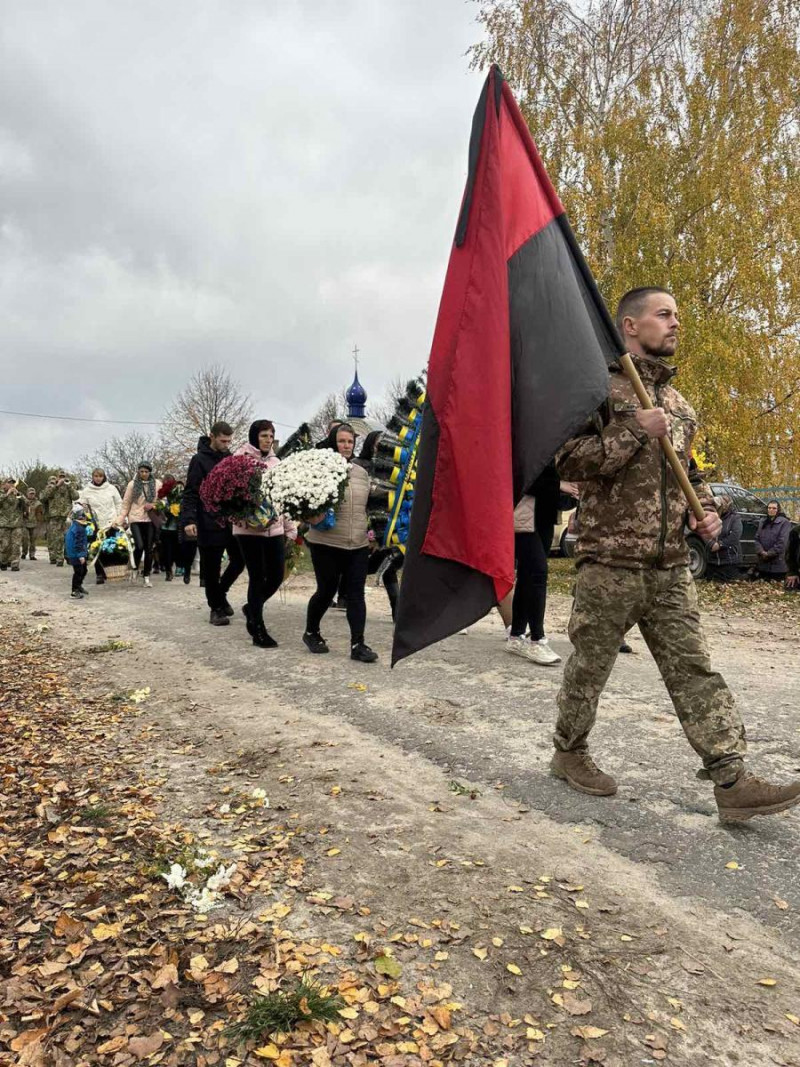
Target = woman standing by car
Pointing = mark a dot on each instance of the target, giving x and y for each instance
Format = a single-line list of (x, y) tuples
[(772, 537), (725, 552), (342, 552), (138, 504), (262, 546), (101, 499)]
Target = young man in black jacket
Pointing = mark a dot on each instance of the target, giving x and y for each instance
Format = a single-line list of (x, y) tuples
[(212, 538)]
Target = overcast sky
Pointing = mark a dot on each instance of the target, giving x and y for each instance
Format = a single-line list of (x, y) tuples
[(187, 181)]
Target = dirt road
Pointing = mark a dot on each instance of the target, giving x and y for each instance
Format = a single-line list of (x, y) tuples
[(675, 902)]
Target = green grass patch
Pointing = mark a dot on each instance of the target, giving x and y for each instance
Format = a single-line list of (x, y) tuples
[(282, 1011)]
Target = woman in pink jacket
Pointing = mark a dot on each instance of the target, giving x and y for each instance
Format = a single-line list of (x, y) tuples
[(138, 508), (262, 546)]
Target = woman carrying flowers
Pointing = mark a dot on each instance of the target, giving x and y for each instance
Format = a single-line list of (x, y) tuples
[(341, 551), (137, 506), (262, 541), (168, 506), (102, 501)]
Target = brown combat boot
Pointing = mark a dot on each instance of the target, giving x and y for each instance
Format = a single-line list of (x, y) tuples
[(750, 796), (579, 770)]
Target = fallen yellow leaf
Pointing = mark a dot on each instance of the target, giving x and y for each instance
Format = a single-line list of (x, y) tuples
[(513, 968), (732, 866), (588, 1033), (481, 953), (497, 942), (533, 1034), (676, 1023), (348, 1013), (516, 889), (333, 852), (106, 931), (793, 1018), (625, 937), (552, 933), (267, 1052), (768, 981)]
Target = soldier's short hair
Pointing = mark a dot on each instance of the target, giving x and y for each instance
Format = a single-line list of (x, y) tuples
[(221, 428), (632, 303)]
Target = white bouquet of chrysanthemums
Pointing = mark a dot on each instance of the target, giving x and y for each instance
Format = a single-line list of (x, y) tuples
[(307, 484)]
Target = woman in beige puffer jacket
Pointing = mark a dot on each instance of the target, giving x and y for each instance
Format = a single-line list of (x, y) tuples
[(342, 553)]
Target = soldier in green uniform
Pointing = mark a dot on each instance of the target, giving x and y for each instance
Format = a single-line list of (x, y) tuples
[(31, 518), (633, 570), (11, 506), (58, 498)]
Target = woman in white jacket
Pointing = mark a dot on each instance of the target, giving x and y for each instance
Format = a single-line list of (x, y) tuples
[(100, 498)]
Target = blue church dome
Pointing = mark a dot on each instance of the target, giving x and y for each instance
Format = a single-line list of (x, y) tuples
[(356, 397)]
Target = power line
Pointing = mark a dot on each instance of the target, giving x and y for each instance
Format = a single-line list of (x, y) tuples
[(113, 422)]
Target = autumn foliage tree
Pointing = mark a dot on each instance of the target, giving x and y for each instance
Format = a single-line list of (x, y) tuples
[(670, 129)]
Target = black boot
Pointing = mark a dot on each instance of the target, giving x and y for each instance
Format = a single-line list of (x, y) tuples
[(187, 576), (315, 643), (227, 608), (248, 623), (218, 617), (361, 652), (261, 638), (168, 575)]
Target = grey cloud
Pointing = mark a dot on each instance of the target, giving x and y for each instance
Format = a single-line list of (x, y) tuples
[(254, 182)]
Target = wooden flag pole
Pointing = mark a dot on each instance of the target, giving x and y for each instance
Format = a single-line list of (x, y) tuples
[(632, 374)]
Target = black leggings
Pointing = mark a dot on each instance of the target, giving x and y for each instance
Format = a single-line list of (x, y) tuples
[(530, 592), (143, 538), (331, 565), (264, 559)]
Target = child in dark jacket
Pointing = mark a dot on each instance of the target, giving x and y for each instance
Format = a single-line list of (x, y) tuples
[(76, 550)]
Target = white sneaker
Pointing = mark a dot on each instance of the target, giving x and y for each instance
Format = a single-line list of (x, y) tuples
[(535, 651), (148, 584), (518, 646), (541, 652)]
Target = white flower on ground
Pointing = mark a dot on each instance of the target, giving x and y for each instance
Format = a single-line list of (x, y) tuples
[(176, 879)]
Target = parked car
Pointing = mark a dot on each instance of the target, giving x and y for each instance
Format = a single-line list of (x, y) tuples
[(751, 510)]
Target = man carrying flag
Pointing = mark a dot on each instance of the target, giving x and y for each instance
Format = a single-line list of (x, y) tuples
[(520, 365), (633, 568)]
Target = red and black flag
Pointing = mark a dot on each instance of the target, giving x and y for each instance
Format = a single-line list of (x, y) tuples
[(518, 365)]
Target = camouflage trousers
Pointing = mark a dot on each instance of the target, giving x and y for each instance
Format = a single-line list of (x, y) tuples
[(608, 602), (29, 541), (10, 546), (55, 539)]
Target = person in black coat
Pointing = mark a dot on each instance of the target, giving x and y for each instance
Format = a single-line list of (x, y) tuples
[(213, 538), (725, 553)]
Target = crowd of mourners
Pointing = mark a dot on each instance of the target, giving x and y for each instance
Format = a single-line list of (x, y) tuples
[(169, 529)]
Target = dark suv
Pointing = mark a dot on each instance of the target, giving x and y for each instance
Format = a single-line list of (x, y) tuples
[(751, 510)]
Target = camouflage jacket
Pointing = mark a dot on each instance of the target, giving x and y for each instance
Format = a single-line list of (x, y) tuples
[(11, 506), (32, 512), (57, 500), (632, 510)]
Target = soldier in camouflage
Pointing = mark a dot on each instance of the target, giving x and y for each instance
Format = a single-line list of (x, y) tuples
[(11, 506), (633, 569), (31, 518), (57, 498)]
